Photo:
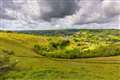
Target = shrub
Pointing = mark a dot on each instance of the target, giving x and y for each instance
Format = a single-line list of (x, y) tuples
[(5, 62), (9, 52), (60, 44)]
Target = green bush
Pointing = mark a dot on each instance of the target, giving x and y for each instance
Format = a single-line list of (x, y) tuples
[(60, 44), (5, 63)]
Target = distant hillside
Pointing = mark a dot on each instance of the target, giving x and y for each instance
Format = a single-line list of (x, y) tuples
[(51, 32)]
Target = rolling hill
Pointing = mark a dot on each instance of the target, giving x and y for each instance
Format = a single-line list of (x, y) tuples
[(84, 55)]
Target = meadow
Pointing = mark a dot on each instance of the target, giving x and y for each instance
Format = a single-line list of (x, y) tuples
[(84, 55)]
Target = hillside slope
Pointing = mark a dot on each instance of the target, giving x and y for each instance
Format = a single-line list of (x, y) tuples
[(33, 64)]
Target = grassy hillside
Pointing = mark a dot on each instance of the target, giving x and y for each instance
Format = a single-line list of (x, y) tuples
[(41, 57)]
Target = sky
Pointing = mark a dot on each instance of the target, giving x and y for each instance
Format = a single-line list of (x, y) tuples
[(59, 14)]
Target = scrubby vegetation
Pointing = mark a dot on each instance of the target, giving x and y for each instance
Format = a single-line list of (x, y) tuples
[(60, 57), (5, 64), (83, 44)]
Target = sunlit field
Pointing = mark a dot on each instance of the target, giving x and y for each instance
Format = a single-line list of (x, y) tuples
[(84, 55)]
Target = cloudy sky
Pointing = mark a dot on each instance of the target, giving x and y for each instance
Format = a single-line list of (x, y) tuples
[(59, 14)]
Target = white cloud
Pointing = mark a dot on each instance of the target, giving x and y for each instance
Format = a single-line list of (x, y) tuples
[(57, 14)]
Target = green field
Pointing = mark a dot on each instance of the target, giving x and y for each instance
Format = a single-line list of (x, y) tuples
[(85, 55)]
